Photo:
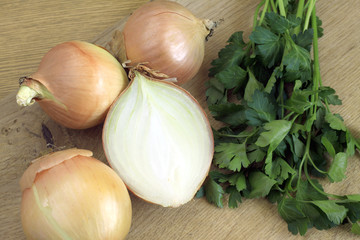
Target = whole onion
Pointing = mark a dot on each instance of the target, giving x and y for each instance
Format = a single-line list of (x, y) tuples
[(158, 139), (70, 195), (75, 84), (168, 38)]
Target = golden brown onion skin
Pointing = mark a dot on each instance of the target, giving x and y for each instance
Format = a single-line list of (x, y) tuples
[(71, 195), (85, 78), (167, 37)]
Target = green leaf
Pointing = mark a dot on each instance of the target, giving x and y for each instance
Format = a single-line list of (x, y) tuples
[(299, 101), (269, 46), (351, 143), (289, 209), (261, 109), (307, 192), (297, 59), (272, 81), (231, 55), (305, 39), (320, 117), (257, 155), (237, 38), (234, 197), (317, 218), (276, 132), (215, 92), (338, 167), (214, 192), (263, 36), (328, 145), (230, 113), (252, 86), (328, 94), (335, 121), (354, 197), (231, 155), (260, 184), (239, 181), (281, 170), (278, 23), (299, 146), (353, 210), (336, 213), (231, 77), (355, 228), (200, 193)]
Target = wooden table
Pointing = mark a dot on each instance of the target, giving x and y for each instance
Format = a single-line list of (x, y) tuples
[(30, 28)]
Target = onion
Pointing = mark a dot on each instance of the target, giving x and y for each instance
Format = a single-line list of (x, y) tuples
[(75, 84), (158, 139), (168, 37), (70, 195)]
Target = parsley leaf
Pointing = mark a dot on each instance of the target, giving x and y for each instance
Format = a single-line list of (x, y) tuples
[(279, 24), (335, 121), (269, 46), (278, 122), (289, 209), (338, 167), (231, 77), (297, 59), (260, 184), (231, 55), (276, 132), (231, 155), (229, 113), (252, 86), (214, 192), (335, 212), (261, 109), (356, 228), (234, 197)]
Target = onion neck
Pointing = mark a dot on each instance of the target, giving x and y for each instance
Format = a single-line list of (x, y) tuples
[(26, 96), (210, 26), (31, 90)]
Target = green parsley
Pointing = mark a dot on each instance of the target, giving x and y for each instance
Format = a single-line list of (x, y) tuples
[(279, 132)]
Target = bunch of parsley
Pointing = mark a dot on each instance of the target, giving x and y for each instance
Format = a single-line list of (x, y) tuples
[(279, 133)]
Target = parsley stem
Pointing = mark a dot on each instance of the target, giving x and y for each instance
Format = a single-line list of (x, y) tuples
[(316, 71), (264, 11), (282, 8), (282, 98), (307, 147), (273, 6), (311, 7), (314, 165), (315, 187), (255, 19), (299, 14)]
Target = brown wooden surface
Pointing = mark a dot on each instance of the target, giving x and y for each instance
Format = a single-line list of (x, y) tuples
[(29, 29)]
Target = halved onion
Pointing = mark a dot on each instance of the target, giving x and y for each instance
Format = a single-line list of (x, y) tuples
[(158, 139)]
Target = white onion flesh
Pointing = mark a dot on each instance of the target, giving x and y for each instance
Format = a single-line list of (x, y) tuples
[(158, 139)]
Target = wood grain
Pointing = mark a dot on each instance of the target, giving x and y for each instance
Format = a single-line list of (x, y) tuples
[(30, 28), (21, 139)]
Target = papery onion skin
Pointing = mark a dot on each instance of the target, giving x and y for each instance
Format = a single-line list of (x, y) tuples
[(71, 195), (84, 78), (168, 38), (161, 147)]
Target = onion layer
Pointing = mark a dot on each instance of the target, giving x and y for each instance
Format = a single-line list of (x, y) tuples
[(158, 139), (70, 195), (168, 38), (75, 84)]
